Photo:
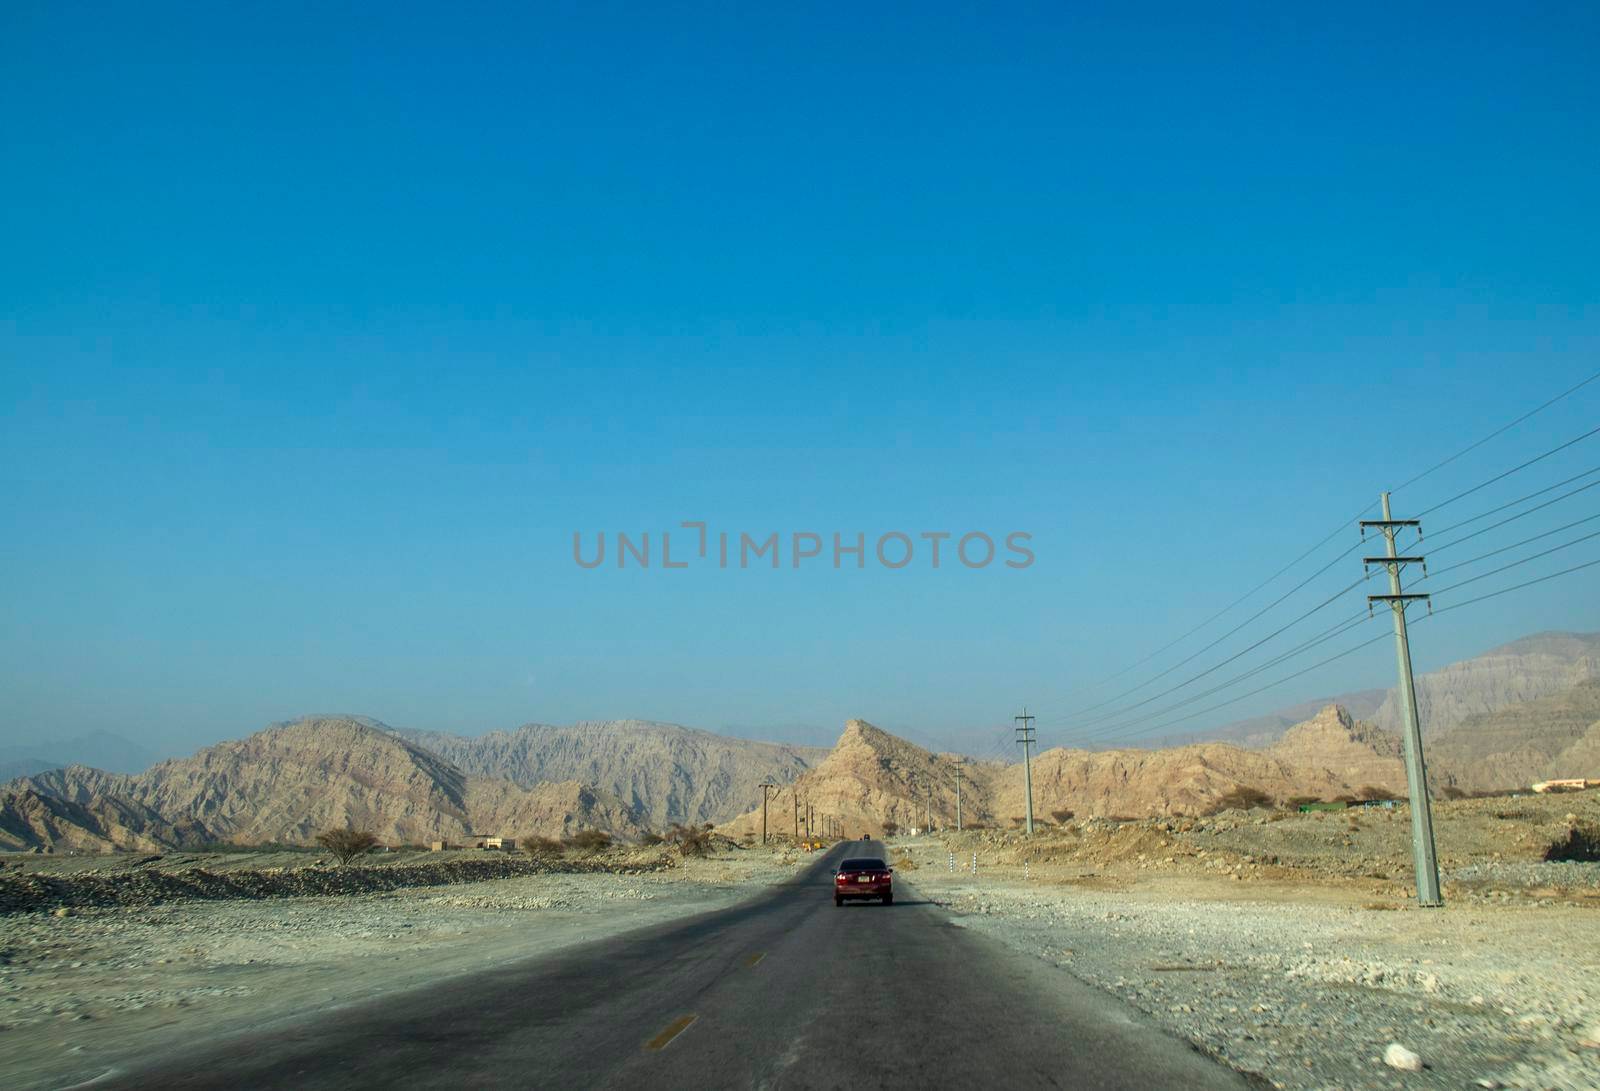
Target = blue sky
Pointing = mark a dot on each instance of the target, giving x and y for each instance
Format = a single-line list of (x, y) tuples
[(321, 336)]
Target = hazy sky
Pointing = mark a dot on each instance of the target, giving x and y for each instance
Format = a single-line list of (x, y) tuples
[(321, 336)]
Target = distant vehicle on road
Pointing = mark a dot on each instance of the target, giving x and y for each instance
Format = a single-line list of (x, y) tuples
[(862, 878)]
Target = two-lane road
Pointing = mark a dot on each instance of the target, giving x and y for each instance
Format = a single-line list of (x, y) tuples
[(784, 990)]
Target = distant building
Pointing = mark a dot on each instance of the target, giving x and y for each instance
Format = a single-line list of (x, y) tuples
[(495, 844), (1569, 784)]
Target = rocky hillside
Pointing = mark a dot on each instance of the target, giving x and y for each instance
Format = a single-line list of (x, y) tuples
[(665, 772), (1524, 670), (871, 777), (1259, 732), (1556, 736), (1136, 783), (1353, 752), (30, 818), (290, 782), (1534, 667)]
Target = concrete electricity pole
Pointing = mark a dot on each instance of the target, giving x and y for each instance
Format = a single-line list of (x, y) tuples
[(1025, 737), (1423, 855), (797, 818), (766, 791), (958, 795), (927, 805)]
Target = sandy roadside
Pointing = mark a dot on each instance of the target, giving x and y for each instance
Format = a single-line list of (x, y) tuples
[(101, 989), (1306, 985)]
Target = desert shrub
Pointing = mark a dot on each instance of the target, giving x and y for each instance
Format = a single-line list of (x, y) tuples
[(1452, 792), (1018, 819), (1581, 843), (691, 840), (889, 828), (651, 837), (590, 840), (1061, 816), (1242, 797), (1374, 793), (1296, 802), (346, 845), (536, 845)]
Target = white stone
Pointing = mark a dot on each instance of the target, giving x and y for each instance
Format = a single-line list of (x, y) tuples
[(1398, 1056)]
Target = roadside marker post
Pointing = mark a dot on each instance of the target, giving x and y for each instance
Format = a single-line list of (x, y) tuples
[(974, 863)]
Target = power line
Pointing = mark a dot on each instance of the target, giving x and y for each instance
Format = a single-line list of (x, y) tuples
[(1340, 529), (1519, 515), (1513, 545), (1516, 587), (1343, 525), (1239, 654), (1516, 564), (1337, 629), (1498, 431), (1273, 684), (1508, 473)]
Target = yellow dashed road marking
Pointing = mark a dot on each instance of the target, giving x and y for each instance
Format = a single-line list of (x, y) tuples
[(755, 958), (674, 1028)]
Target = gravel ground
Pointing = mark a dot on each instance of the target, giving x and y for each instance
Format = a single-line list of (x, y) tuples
[(96, 988), (1308, 985)]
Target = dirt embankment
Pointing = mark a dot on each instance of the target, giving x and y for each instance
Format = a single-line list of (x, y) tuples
[(28, 886), (1487, 848)]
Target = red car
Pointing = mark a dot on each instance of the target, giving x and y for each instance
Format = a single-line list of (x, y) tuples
[(863, 878)]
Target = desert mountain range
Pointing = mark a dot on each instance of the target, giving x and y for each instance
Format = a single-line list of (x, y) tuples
[(667, 772), (1527, 711)]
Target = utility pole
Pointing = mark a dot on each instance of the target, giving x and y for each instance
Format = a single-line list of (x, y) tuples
[(766, 792), (1025, 738), (958, 794), (1423, 855), (797, 818), (927, 805)]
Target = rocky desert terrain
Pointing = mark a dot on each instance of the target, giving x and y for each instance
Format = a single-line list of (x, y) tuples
[(1290, 947)]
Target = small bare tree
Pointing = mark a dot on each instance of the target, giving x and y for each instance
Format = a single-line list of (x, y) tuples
[(538, 845), (590, 840), (691, 840), (889, 827), (1242, 798), (346, 845), (1062, 816)]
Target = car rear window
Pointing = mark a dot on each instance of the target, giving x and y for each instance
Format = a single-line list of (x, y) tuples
[(863, 865)]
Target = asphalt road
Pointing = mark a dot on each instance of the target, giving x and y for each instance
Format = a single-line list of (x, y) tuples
[(784, 990)]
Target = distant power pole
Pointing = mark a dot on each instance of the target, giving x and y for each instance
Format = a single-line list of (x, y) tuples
[(797, 817), (1025, 737), (1423, 855), (958, 795), (927, 805), (766, 790)]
